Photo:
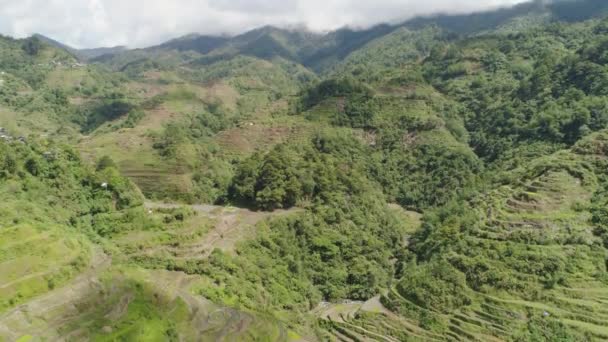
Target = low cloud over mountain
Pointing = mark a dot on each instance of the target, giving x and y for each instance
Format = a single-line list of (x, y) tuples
[(92, 23)]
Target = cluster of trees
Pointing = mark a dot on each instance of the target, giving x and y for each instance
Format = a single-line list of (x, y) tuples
[(32, 46), (112, 107), (58, 188), (19, 58), (341, 246), (417, 152), (272, 181), (342, 87), (415, 176), (544, 84), (426, 174)]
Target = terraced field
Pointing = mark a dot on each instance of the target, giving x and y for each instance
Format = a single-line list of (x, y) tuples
[(36, 260), (46, 315), (368, 321), (132, 150), (539, 230), (95, 300), (210, 227), (132, 304)]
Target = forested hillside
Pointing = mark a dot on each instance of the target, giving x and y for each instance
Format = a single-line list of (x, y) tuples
[(444, 179)]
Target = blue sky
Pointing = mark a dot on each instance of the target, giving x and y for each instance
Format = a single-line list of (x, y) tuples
[(138, 23)]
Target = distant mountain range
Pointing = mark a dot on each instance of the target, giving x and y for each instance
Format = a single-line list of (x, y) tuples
[(316, 50)]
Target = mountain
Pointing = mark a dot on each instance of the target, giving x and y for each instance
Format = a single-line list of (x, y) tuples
[(321, 52), (429, 181), (53, 42), (193, 42), (534, 11), (83, 54), (312, 50), (88, 54)]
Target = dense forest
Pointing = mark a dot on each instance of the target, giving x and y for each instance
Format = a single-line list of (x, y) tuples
[(444, 179)]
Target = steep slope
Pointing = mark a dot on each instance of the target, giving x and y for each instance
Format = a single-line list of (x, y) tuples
[(321, 52), (61, 274), (523, 257), (532, 13), (194, 42), (171, 150), (47, 247), (45, 90), (494, 141), (158, 120)]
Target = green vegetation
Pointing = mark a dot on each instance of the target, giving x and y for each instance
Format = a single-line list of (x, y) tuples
[(65, 202), (444, 179)]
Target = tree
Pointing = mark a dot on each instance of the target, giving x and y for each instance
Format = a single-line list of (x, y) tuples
[(32, 165), (32, 46), (105, 162)]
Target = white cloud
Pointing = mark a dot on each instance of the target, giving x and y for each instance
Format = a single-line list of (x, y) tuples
[(92, 23)]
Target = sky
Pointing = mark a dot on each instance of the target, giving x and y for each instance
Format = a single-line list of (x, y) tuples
[(140, 23)]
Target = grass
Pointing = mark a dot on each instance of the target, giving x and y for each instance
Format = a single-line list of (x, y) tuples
[(293, 336), (175, 234), (262, 135), (132, 151), (144, 319), (600, 331), (39, 123), (411, 220), (162, 310), (25, 338), (126, 303), (37, 260)]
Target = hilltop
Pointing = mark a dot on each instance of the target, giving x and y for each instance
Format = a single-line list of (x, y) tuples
[(83, 54)]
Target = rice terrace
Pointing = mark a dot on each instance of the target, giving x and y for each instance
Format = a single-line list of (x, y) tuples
[(304, 171)]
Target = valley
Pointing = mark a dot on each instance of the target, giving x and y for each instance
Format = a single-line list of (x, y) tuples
[(440, 179)]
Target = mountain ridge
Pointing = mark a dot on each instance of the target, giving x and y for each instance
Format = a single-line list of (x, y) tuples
[(82, 54), (320, 51), (594, 8)]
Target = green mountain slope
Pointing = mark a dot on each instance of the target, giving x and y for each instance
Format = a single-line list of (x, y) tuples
[(522, 261), (45, 89), (62, 275), (321, 52), (441, 180)]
